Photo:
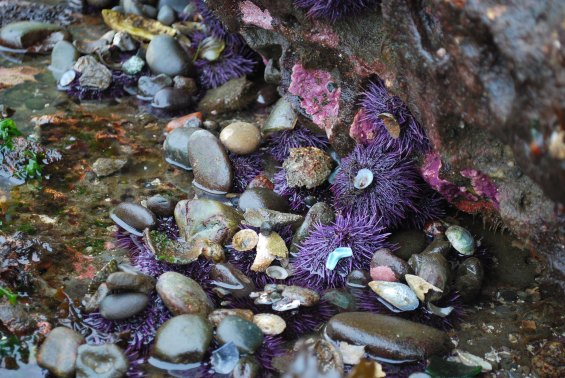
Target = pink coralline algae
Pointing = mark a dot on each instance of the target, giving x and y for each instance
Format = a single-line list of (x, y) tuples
[(430, 172), (482, 185), (253, 15), (362, 130), (485, 191), (319, 95)]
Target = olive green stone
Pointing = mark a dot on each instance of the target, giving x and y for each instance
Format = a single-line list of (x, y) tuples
[(246, 336)]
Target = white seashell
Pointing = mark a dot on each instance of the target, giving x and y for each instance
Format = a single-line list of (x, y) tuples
[(270, 324), (286, 304), (420, 286), (277, 272), (363, 179), (469, 359), (245, 240)]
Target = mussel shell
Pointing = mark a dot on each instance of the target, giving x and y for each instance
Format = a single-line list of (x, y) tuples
[(461, 240), (277, 272)]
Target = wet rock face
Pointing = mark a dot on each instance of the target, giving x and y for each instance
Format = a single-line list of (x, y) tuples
[(483, 77), (183, 295), (387, 337)]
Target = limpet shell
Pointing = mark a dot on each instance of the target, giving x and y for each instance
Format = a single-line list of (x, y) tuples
[(461, 240), (420, 286), (363, 179), (270, 324), (277, 272), (245, 240), (391, 124)]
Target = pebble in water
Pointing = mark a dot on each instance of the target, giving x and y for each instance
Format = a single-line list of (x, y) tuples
[(246, 336), (397, 294), (123, 305), (225, 358), (133, 218), (270, 324), (182, 295), (59, 351), (241, 138), (101, 361)]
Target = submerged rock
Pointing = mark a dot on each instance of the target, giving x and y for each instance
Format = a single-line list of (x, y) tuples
[(63, 57), (261, 198), (161, 206), (210, 163), (123, 305), (246, 336), (183, 339), (59, 351), (234, 95), (386, 266), (387, 337), (106, 166), (176, 147), (166, 56), (148, 86), (228, 277), (101, 361), (171, 99), (133, 218), (182, 295), (141, 283), (319, 213)]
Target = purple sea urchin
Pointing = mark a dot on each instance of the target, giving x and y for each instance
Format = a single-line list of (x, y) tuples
[(377, 102), (280, 143), (212, 23), (362, 233), (392, 192), (429, 206), (333, 10), (246, 168)]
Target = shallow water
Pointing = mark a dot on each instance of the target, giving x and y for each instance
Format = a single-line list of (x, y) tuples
[(69, 210)]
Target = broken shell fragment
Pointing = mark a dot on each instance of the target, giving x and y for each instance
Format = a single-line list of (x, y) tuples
[(336, 255), (245, 240), (391, 124), (274, 244), (270, 324), (420, 286), (286, 304), (263, 258), (399, 295), (352, 354)]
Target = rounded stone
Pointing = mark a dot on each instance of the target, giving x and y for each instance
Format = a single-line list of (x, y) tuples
[(177, 5), (171, 99), (183, 339), (306, 296), (166, 56), (182, 295), (241, 138), (307, 167), (212, 168), (161, 205), (385, 266), (387, 337), (63, 58), (409, 242), (58, 353), (176, 147), (133, 218), (124, 281), (123, 305), (228, 277), (148, 86), (319, 213), (101, 361), (260, 198), (246, 336), (166, 15)]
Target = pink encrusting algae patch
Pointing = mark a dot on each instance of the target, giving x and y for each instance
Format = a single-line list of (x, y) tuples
[(319, 95), (482, 185), (253, 15), (362, 130), (430, 173)]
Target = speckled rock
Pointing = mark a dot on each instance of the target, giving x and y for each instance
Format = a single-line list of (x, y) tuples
[(241, 138), (123, 281), (307, 167), (58, 353), (183, 295), (183, 339), (386, 266), (210, 163), (107, 166), (387, 337), (133, 218)]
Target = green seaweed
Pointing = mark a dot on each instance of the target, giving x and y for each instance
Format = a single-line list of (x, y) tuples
[(12, 297)]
